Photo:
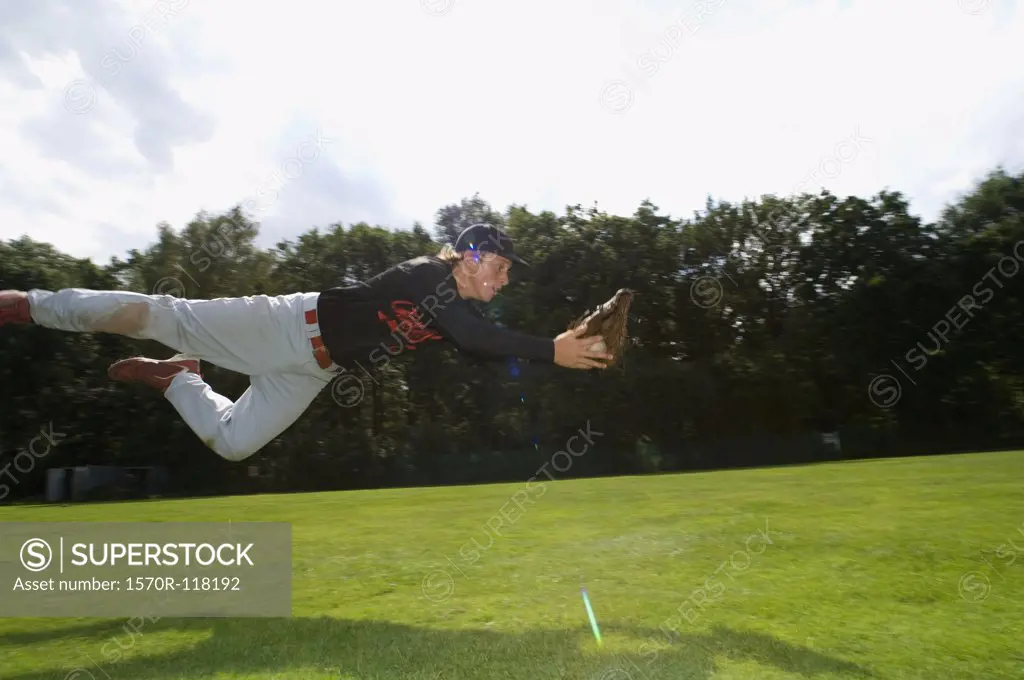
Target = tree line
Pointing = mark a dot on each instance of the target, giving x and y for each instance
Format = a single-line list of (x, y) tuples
[(763, 332)]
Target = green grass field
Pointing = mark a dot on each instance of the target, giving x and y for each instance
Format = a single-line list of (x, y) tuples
[(847, 570)]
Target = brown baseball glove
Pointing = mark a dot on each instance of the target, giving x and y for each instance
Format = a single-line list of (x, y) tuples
[(610, 320)]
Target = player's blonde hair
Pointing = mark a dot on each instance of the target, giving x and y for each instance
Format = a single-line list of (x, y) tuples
[(452, 257), (449, 255)]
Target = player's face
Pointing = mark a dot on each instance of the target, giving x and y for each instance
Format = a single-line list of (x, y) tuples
[(488, 274)]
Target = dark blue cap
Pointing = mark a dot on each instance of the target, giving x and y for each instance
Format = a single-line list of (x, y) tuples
[(486, 238)]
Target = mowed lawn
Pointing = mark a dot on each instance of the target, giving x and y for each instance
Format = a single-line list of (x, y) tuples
[(905, 568)]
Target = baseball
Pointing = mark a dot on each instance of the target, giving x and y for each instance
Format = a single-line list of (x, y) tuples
[(599, 346)]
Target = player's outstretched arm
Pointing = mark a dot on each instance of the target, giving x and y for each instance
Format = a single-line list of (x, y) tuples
[(479, 336)]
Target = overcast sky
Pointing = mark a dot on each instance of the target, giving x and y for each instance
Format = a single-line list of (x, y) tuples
[(118, 115)]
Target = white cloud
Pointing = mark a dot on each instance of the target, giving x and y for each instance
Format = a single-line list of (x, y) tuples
[(505, 99)]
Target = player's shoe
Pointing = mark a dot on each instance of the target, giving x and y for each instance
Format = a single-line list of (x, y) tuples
[(14, 307), (157, 373)]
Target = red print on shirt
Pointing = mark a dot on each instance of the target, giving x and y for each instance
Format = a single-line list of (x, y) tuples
[(408, 324)]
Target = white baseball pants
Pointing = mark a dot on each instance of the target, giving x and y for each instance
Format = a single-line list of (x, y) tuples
[(266, 338)]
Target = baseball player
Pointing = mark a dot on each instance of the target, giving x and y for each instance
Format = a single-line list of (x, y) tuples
[(292, 346)]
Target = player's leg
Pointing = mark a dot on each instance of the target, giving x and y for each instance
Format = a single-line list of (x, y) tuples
[(237, 429), (250, 335)]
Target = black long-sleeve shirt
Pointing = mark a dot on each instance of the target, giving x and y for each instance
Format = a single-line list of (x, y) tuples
[(411, 303)]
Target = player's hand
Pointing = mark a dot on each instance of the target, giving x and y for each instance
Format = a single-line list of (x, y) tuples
[(572, 351)]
